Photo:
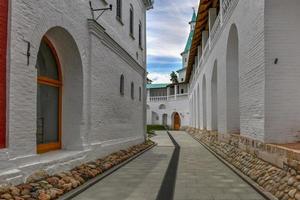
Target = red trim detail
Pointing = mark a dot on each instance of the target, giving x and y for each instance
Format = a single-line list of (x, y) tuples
[(3, 54)]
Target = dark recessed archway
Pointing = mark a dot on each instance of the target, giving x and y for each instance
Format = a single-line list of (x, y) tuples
[(204, 106), (232, 81), (214, 98)]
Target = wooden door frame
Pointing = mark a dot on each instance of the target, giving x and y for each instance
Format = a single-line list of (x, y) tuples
[(179, 120), (43, 148)]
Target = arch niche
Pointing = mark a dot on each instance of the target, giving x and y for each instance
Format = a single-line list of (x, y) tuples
[(59, 92), (232, 81), (162, 107), (214, 97), (165, 119), (204, 118)]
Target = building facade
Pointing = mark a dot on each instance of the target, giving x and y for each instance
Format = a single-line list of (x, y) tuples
[(167, 104), (72, 82), (243, 69)]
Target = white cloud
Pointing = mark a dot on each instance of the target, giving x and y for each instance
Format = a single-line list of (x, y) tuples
[(168, 27), (159, 77)]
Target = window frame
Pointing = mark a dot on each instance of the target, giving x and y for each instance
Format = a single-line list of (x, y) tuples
[(140, 35), (43, 148), (140, 93), (132, 90), (131, 21), (119, 9), (122, 85)]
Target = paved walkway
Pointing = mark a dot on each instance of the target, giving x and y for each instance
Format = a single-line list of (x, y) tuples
[(200, 176)]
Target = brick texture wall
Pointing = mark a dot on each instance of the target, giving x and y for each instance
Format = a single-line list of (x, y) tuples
[(3, 46)]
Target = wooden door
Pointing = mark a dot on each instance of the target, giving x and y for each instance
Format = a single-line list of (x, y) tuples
[(176, 121)]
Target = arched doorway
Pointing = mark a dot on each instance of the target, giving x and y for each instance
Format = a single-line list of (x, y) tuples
[(176, 121), (232, 81), (214, 98), (204, 121), (154, 118), (49, 98), (165, 119)]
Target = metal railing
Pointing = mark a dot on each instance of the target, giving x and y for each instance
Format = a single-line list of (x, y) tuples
[(168, 98), (158, 98)]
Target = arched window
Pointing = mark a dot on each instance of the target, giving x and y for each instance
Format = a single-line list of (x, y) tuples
[(122, 85), (49, 97), (140, 94), (132, 90), (140, 34), (119, 9), (131, 20)]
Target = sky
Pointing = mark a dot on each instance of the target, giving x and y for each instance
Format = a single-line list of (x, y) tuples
[(167, 32)]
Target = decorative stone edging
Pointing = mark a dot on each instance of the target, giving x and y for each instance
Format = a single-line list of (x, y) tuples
[(43, 186), (283, 184)]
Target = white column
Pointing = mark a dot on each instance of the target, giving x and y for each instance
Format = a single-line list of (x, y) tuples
[(204, 39), (221, 12), (175, 88), (212, 15), (196, 106), (148, 94), (199, 53), (196, 61), (168, 93), (191, 117)]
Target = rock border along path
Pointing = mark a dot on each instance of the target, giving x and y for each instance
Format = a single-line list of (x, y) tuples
[(43, 186)]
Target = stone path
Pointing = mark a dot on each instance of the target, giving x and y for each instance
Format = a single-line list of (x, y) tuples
[(200, 176)]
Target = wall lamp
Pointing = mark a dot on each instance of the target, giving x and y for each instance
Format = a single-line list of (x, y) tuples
[(101, 10)]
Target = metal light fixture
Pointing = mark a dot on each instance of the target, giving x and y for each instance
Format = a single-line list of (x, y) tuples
[(102, 10)]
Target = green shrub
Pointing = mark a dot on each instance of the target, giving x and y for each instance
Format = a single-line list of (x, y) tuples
[(152, 128)]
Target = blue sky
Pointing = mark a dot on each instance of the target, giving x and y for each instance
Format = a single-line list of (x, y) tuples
[(167, 32)]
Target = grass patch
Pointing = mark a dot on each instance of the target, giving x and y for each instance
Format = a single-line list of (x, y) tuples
[(152, 128)]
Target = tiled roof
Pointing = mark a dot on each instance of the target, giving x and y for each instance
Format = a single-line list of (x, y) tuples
[(190, 38)]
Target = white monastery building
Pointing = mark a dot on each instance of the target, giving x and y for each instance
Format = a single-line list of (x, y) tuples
[(241, 71), (244, 69), (73, 82), (167, 104)]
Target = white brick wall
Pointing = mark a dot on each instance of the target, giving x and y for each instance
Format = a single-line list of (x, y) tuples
[(96, 118), (282, 32), (180, 105), (248, 16)]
